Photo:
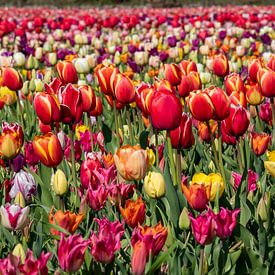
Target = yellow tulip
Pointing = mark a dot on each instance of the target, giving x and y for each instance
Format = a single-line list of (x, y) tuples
[(270, 163), (154, 185), (59, 183), (18, 251)]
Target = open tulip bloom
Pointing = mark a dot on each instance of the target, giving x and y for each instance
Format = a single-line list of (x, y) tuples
[(137, 140)]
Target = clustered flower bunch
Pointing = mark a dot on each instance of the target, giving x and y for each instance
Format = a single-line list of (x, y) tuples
[(137, 141)]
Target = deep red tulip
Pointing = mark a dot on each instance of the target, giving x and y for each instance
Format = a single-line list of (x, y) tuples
[(172, 73), (97, 111), (67, 72), (88, 98), (143, 98), (253, 68)]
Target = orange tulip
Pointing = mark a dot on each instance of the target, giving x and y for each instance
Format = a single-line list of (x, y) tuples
[(133, 212), (254, 94), (48, 149), (131, 162), (234, 83), (67, 72), (67, 220), (260, 143)]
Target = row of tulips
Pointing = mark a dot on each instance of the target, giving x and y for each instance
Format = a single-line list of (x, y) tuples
[(114, 163)]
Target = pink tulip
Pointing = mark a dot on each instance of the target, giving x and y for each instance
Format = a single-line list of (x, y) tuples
[(107, 240), (139, 258), (203, 227), (119, 192), (71, 252), (13, 217), (97, 197), (252, 180), (225, 222)]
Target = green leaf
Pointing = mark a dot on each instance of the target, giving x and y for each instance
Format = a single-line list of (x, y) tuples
[(143, 139)]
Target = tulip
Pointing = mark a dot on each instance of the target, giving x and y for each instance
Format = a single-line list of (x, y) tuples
[(7, 96), (47, 107), (185, 86), (220, 101), (118, 193), (11, 140), (139, 258), (107, 241), (71, 252), (270, 163), (203, 227), (196, 196), (165, 111), (106, 76), (30, 157), (184, 221), (19, 59), (19, 252), (253, 68), (172, 73), (154, 185), (97, 111), (154, 237), (271, 63), (97, 197), (187, 66), (71, 104), (35, 266), (14, 217), (225, 222), (88, 98), (254, 94), (201, 106), (182, 137), (23, 182), (131, 162), (124, 90), (266, 112), (82, 65), (48, 149), (263, 208), (10, 78), (203, 130), (267, 83), (66, 220), (66, 72), (220, 65), (260, 143), (143, 98), (163, 86), (234, 83), (238, 121), (133, 212), (19, 200), (59, 183)]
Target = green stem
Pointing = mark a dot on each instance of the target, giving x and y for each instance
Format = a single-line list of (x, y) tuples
[(21, 113), (116, 123), (241, 153), (258, 119), (216, 162), (91, 132), (220, 152), (171, 159), (273, 121), (179, 165), (73, 156), (201, 261), (130, 126), (157, 147)]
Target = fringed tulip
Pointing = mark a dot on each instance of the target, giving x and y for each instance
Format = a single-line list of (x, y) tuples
[(106, 241), (71, 252), (133, 212), (97, 197), (118, 193)]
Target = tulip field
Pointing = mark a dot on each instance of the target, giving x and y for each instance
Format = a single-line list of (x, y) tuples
[(137, 140)]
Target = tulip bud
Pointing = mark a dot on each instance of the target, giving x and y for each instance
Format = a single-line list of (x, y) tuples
[(154, 185), (19, 59), (19, 199), (264, 207), (25, 88), (184, 221), (30, 63), (39, 86), (18, 251), (59, 183), (32, 85)]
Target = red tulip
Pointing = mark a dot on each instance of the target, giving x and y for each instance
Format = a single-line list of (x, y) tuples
[(238, 121), (254, 94), (187, 66), (195, 81), (71, 104), (234, 83), (165, 111), (253, 68), (163, 85), (97, 111), (124, 89), (106, 76), (185, 86), (139, 258), (201, 106), (143, 98), (271, 63), (67, 72), (267, 83), (47, 107), (182, 137), (172, 73), (10, 78), (88, 98), (220, 65)]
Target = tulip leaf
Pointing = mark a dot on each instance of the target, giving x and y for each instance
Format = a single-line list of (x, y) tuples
[(143, 139), (245, 214)]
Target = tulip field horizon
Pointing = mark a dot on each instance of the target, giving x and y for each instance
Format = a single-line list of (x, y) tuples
[(137, 140)]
